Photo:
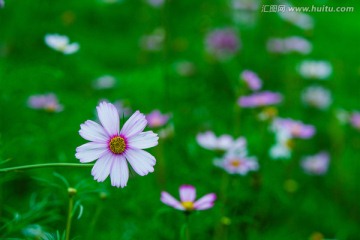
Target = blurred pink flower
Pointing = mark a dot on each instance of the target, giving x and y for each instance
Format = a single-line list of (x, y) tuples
[(260, 99), (114, 148), (222, 43), (224, 142), (47, 102), (355, 120), (156, 119), (317, 164), (187, 199), (251, 79), (297, 129), (237, 163), (154, 41)]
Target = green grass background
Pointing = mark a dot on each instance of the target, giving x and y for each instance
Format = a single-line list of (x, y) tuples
[(258, 205)]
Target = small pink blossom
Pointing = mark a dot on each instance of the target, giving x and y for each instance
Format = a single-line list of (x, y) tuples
[(224, 142), (297, 129), (237, 163), (187, 199), (223, 43), (260, 99), (157, 119), (317, 164), (355, 120), (251, 79), (47, 102), (114, 148)]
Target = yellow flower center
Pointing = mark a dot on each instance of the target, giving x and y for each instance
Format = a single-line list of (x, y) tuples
[(117, 145), (235, 163), (188, 205), (289, 143)]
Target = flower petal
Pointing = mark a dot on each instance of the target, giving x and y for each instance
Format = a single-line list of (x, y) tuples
[(134, 125), (187, 193), (119, 172), (102, 167), (92, 131), (91, 151), (109, 118), (205, 202), (143, 140), (171, 201), (142, 162)]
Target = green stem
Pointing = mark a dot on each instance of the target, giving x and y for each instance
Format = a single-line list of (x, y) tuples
[(185, 229), (69, 217), (44, 165)]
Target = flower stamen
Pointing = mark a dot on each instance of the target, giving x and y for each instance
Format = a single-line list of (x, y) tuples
[(188, 205), (117, 145)]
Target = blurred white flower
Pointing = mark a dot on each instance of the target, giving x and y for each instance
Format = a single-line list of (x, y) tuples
[(225, 142), (283, 146), (245, 11), (317, 96), (2, 3), (315, 69), (156, 3), (61, 43), (236, 161), (343, 116), (104, 82), (154, 41), (289, 45)]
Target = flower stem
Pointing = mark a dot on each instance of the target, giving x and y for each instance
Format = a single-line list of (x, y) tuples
[(72, 193), (44, 165), (185, 231)]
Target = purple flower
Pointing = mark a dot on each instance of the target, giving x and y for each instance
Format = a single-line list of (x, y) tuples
[(47, 102), (222, 43), (297, 129), (156, 119), (251, 79), (260, 99), (187, 199), (114, 148), (120, 107), (355, 120), (317, 164)]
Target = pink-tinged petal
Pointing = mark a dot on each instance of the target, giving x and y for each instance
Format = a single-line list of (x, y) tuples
[(119, 172), (142, 162), (171, 201), (205, 206), (109, 118), (205, 202), (92, 131), (91, 151), (187, 193), (102, 167), (134, 125), (143, 140)]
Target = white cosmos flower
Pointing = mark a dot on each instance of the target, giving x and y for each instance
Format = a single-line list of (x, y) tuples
[(282, 147), (114, 148), (315, 69), (317, 97), (61, 43)]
